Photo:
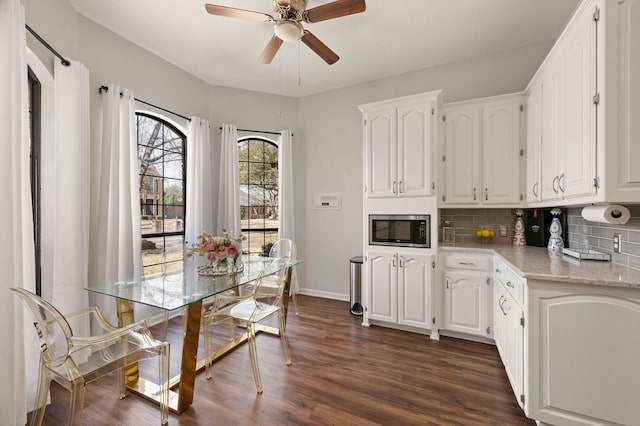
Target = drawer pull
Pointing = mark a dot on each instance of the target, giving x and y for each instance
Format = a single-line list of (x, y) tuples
[(510, 285), (466, 263)]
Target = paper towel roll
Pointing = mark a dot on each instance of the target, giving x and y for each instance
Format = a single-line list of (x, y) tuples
[(614, 214)]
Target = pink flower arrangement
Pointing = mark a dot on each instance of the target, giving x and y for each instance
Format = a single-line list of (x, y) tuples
[(217, 248)]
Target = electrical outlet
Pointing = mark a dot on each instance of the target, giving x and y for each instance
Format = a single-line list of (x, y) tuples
[(503, 230), (616, 243)]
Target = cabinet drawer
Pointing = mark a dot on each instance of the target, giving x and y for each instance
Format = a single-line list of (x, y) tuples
[(500, 271), (468, 262), (514, 285), (512, 281)]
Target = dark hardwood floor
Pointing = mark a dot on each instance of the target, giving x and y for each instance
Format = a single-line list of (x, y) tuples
[(342, 374)]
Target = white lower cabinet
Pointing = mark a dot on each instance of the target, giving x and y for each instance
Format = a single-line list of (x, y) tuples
[(583, 352), (400, 288), (508, 323), (467, 293)]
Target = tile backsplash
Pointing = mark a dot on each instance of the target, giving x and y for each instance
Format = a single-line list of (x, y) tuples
[(466, 221), (581, 234)]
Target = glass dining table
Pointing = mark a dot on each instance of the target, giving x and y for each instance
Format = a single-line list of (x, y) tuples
[(184, 290)]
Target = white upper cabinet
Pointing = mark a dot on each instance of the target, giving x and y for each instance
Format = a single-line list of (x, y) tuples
[(533, 150), (580, 105), (567, 116), (501, 152), (482, 152), (399, 141), (622, 63), (462, 150)]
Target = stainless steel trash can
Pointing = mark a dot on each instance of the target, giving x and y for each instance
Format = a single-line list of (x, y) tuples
[(355, 292)]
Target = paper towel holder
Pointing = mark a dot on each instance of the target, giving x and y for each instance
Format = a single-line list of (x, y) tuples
[(606, 213)]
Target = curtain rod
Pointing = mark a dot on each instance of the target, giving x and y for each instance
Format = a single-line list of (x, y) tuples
[(258, 131), (64, 62), (106, 89)]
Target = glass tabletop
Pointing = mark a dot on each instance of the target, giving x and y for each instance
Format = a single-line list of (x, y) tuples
[(177, 289)]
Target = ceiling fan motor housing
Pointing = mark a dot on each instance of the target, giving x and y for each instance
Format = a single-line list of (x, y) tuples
[(297, 7)]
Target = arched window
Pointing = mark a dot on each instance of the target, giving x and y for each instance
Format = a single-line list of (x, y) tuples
[(162, 161), (258, 165)]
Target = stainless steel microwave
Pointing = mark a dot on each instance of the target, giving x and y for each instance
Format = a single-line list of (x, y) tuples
[(400, 230)]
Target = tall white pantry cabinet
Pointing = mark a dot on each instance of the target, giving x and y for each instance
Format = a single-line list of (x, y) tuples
[(400, 141)]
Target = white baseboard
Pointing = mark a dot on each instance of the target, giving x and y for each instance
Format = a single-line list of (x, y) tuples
[(324, 294)]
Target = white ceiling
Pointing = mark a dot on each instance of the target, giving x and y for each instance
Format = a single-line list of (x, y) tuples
[(390, 38)]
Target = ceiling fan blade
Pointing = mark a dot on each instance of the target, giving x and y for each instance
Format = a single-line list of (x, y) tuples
[(270, 51), (238, 13), (335, 9), (320, 48)]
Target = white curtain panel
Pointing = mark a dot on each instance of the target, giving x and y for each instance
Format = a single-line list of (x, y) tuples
[(66, 227), (17, 260), (229, 191), (199, 209), (286, 214), (115, 242)]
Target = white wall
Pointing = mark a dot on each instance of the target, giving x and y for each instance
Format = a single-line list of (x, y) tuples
[(333, 151)]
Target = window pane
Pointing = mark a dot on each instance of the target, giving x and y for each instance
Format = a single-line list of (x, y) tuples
[(258, 166), (162, 193)]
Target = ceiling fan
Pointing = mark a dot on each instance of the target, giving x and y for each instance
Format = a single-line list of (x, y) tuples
[(288, 24)]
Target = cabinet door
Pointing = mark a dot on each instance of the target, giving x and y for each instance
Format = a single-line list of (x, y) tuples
[(466, 302), (383, 289), (549, 114), (513, 346), (462, 156), (381, 153), (498, 317), (415, 150), (533, 192), (414, 290), (628, 39), (578, 136), (501, 154)]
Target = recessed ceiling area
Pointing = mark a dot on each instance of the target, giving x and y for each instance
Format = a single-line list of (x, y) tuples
[(390, 38)]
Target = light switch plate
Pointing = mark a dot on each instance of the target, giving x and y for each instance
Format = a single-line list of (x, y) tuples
[(503, 230)]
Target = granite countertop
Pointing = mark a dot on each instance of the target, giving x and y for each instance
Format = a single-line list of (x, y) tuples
[(538, 264)]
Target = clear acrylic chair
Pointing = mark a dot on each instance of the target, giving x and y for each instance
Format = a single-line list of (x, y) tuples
[(249, 312), (74, 361), (284, 248)]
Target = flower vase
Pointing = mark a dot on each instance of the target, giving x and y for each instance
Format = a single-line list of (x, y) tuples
[(207, 268)]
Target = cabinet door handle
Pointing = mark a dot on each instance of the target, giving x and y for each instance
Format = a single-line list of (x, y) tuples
[(498, 270), (486, 194), (504, 299), (561, 183), (554, 184), (401, 187), (535, 190), (393, 262), (395, 187), (401, 261), (474, 194)]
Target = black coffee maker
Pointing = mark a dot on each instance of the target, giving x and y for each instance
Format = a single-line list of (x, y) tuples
[(536, 226)]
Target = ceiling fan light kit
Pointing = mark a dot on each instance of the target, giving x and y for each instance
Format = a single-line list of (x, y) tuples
[(288, 26), (288, 30)]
